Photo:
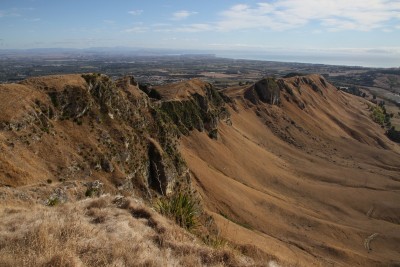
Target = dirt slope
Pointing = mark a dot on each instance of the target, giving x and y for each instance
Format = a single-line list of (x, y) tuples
[(312, 180)]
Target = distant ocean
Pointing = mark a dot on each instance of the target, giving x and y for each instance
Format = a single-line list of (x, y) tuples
[(373, 61)]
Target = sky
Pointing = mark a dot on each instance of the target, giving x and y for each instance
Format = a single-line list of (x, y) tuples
[(305, 28)]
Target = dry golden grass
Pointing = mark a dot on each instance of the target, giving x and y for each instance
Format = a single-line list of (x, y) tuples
[(299, 184), (181, 90), (102, 232)]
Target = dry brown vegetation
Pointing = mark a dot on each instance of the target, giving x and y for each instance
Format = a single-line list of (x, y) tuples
[(298, 179), (311, 179), (105, 231)]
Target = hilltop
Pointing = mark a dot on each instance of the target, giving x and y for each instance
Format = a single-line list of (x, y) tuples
[(291, 168)]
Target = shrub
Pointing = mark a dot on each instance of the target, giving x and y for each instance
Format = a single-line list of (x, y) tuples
[(183, 207), (91, 192), (378, 115), (52, 201), (94, 189)]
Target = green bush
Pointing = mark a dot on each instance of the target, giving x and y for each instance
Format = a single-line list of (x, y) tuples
[(378, 115), (183, 207), (52, 201)]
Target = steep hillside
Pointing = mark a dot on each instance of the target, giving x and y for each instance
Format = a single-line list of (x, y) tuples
[(303, 173), (65, 139), (74, 127), (287, 169), (194, 104)]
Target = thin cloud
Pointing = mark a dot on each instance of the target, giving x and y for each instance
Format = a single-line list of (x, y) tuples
[(9, 13), (136, 12), (199, 27), (182, 14), (109, 21), (189, 28), (32, 19), (15, 12), (160, 25), (136, 29), (378, 51), (334, 15)]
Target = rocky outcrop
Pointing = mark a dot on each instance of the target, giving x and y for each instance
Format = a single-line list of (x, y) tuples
[(271, 98), (316, 82), (200, 107), (270, 90), (265, 90), (91, 128), (162, 174), (290, 94)]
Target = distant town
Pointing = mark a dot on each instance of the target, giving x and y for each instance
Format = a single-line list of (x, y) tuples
[(160, 67)]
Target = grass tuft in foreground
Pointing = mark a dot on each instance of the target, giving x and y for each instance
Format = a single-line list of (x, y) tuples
[(183, 207)]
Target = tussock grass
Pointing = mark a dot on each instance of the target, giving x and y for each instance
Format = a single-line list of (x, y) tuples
[(105, 232), (183, 207), (215, 241)]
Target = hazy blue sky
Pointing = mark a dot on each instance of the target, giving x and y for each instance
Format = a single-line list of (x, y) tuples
[(295, 26)]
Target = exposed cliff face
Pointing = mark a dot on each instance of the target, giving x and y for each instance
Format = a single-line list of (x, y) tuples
[(270, 90), (89, 127), (265, 90), (194, 105)]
